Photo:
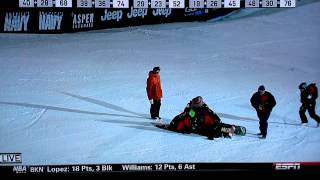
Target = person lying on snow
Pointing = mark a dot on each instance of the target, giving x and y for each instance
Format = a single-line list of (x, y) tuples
[(198, 118)]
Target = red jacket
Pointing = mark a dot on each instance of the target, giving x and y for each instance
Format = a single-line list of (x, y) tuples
[(154, 90)]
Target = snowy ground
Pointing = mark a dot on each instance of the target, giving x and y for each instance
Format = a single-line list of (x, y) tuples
[(80, 98)]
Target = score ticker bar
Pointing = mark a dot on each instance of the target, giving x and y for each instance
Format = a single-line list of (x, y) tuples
[(175, 4), (270, 3)]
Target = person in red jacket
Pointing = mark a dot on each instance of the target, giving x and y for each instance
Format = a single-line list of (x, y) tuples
[(154, 92)]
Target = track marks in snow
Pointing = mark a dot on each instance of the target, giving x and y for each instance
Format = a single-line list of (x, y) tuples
[(36, 117)]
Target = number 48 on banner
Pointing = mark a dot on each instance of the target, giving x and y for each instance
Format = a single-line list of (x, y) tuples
[(252, 3)]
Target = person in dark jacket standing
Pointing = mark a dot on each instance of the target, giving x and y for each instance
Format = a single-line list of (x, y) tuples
[(308, 96), (263, 102), (154, 92)]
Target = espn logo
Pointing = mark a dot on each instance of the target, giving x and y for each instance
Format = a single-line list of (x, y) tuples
[(287, 166), (9, 158)]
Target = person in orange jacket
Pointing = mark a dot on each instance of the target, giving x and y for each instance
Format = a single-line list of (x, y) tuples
[(154, 92)]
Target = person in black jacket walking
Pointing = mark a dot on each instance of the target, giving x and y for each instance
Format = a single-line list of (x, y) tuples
[(263, 102), (308, 96)]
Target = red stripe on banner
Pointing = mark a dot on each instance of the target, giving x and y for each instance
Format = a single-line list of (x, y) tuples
[(310, 163)]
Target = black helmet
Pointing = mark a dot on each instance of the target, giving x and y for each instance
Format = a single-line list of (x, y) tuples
[(156, 69), (303, 85), (261, 88), (197, 102)]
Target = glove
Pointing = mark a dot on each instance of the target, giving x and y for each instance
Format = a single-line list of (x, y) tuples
[(309, 96), (151, 101)]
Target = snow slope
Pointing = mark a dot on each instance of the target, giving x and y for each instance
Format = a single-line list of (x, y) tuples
[(80, 98)]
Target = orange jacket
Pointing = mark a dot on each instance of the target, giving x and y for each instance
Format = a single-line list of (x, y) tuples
[(154, 90)]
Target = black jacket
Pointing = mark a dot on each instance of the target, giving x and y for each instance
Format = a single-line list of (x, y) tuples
[(259, 105), (309, 95), (200, 111)]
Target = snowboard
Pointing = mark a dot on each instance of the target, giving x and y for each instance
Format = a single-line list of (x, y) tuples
[(240, 130), (229, 128), (161, 125), (233, 129)]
